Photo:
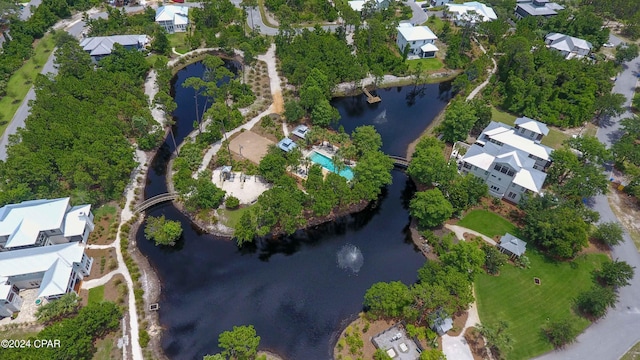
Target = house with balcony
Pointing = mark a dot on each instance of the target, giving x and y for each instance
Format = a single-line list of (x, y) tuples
[(420, 40), (44, 222), (540, 8), (173, 18), (570, 47), (100, 46), (54, 270), (470, 13), (511, 160)]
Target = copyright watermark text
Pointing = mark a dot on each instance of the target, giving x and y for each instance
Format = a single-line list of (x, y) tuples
[(35, 343)]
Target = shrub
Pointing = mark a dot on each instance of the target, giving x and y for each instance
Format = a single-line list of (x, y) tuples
[(144, 338), (232, 202), (561, 333)]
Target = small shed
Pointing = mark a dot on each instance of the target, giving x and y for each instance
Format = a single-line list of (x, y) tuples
[(441, 322), (512, 246), (225, 172), (301, 131), (287, 144)]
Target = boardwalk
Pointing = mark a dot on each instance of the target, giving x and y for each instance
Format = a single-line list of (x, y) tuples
[(399, 161), (370, 98), (154, 201)]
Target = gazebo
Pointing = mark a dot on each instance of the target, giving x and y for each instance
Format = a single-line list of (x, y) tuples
[(512, 246)]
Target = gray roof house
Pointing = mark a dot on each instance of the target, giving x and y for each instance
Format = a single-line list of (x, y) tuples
[(512, 245), (570, 47), (101, 46), (542, 8), (287, 144), (440, 322)]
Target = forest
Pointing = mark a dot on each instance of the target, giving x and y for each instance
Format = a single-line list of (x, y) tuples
[(78, 138)]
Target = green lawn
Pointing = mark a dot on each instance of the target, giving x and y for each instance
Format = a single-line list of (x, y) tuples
[(104, 210), (20, 83), (233, 216), (488, 223), (514, 298), (435, 24), (179, 41), (633, 353), (554, 139), (96, 294), (427, 64)]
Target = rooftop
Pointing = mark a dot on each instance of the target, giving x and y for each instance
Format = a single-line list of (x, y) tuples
[(462, 11), (23, 222), (540, 8), (301, 131), (532, 125), (415, 33), (287, 144), (564, 42), (395, 342), (513, 244), (103, 45), (56, 261), (175, 13)]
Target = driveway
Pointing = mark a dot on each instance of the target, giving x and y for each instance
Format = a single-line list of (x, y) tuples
[(419, 15), (611, 337)]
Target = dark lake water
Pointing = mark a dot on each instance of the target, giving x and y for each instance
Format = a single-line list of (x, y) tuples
[(298, 292)]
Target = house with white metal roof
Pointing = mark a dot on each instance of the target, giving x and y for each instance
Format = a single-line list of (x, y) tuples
[(570, 47), (100, 46), (510, 160), (359, 5), (470, 13), (54, 270), (419, 39), (542, 8), (173, 18), (44, 222)]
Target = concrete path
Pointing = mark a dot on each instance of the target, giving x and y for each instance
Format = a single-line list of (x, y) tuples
[(98, 247), (456, 347), (460, 231), (491, 72), (612, 336), (101, 280)]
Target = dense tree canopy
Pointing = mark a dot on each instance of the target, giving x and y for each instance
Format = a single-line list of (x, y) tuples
[(241, 343), (163, 231), (387, 299), (431, 208)]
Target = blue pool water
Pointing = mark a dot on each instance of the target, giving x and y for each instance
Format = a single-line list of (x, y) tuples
[(326, 163)]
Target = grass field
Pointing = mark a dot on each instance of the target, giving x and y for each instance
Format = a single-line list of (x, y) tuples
[(633, 353), (20, 83), (96, 294), (233, 216), (427, 64), (554, 139), (488, 223), (514, 298), (179, 41), (435, 24), (104, 210)]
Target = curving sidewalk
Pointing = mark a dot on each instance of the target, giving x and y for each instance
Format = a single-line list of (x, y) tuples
[(101, 280), (460, 231), (486, 82)]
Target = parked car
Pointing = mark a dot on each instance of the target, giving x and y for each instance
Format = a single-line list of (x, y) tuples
[(608, 45)]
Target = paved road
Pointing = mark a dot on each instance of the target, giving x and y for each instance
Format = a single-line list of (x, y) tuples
[(611, 337), (419, 15), (26, 11)]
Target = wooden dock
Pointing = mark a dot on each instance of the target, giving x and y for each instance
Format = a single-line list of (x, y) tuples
[(370, 98)]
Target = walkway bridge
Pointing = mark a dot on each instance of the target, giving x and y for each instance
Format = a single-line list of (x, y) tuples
[(399, 162), (370, 98), (155, 200)]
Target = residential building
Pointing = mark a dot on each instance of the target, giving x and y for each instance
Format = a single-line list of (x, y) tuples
[(470, 13), (54, 270), (44, 222), (358, 5), (570, 47), (439, 2), (301, 131), (510, 160), (542, 8), (101, 46), (173, 18), (419, 39)]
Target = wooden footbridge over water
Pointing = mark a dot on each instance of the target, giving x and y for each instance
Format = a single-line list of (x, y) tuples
[(399, 162), (155, 200), (370, 98)]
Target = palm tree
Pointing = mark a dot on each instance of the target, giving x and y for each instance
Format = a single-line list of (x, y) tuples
[(338, 164)]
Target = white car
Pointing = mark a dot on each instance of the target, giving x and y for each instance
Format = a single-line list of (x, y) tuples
[(608, 45)]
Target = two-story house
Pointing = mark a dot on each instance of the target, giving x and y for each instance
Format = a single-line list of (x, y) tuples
[(419, 39), (570, 47), (510, 160), (44, 222), (100, 46), (470, 13), (173, 18), (54, 270), (359, 5), (542, 8)]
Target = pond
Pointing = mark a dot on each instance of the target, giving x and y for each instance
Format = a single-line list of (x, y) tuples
[(300, 291)]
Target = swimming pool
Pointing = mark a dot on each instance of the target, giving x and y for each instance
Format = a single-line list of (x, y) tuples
[(326, 163)]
